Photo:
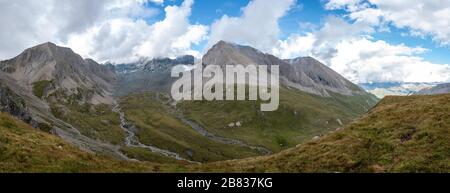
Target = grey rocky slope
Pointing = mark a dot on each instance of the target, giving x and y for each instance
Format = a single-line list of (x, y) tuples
[(61, 75), (305, 74), (439, 89), (14, 104), (324, 78)]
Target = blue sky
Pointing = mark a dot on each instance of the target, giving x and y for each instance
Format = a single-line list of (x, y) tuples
[(363, 40)]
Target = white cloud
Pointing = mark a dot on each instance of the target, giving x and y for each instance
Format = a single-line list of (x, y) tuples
[(257, 26), (422, 18), (27, 22), (362, 60), (157, 1), (349, 50), (296, 45), (194, 35), (114, 30), (320, 43), (125, 39), (174, 35), (114, 40)]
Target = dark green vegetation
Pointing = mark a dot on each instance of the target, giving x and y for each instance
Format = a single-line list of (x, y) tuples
[(25, 149), (158, 126), (401, 134), (300, 117), (40, 87)]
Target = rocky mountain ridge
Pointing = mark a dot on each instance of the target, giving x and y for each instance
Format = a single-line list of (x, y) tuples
[(305, 74), (148, 75), (59, 69)]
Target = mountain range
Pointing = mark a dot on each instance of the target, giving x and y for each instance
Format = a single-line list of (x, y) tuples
[(438, 89), (148, 75), (125, 112), (304, 74), (395, 88)]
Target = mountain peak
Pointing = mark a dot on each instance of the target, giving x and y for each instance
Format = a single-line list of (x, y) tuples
[(224, 44), (48, 51), (304, 59), (66, 70), (48, 46), (221, 45), (305, 73), (52, 47)]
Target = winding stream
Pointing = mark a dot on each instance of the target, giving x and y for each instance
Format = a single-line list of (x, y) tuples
[(132, 141)]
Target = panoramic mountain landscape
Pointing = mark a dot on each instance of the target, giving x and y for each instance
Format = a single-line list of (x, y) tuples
[(89, 105), (96, 117), (352, 94)]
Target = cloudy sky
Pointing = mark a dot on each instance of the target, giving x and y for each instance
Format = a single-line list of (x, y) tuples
[(364, 40)]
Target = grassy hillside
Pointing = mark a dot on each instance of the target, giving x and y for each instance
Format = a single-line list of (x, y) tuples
[(25, 149), (95, 121), (158, 126), (300, 117), (401, 134)]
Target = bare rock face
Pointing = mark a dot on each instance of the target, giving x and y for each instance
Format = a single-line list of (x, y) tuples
[(165, 64), (23, 104), (41, 75), (439, 89), (13, 104), (148, 75), (305, 74), (323, 77), (67, 72)]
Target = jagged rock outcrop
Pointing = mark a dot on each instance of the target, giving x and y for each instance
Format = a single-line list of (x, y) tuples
[(148, 75), (166, 64), (13, 104)]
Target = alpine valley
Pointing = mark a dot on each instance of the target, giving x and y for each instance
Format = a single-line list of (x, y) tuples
[(63, 113)]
